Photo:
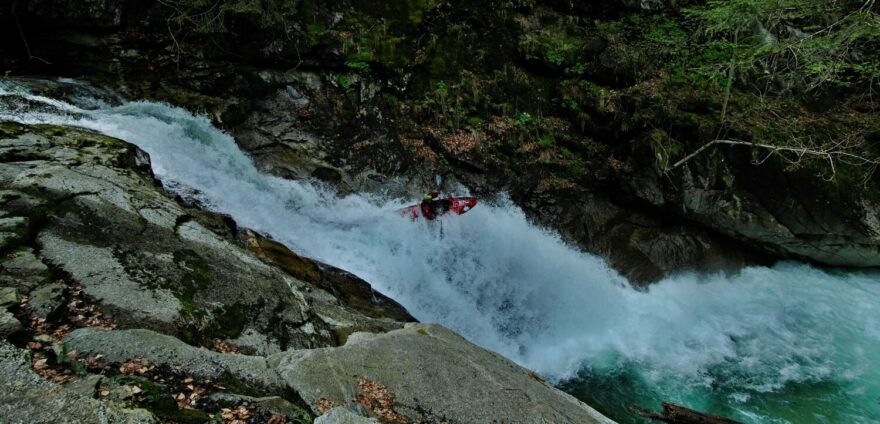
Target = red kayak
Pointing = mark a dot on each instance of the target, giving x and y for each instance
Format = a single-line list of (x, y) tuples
[(435, 208)]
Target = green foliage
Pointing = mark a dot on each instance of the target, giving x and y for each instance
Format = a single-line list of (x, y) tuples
[(566, 154), (345, 81), (524, 119), (475, 122), (559, 44), (63, 355), (547, 141), (575, 168), (800, 44), (554, 56), (357, 66), (441, 88), (406, 13)]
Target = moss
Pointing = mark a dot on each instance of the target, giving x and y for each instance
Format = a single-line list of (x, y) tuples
[(230, 321), (10, 129), (51, 130), (188, 307), (284, 258), (198, 273), (239, 386), (158, 401)]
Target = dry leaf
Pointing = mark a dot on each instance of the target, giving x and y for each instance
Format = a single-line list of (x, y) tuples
[(323, 405)]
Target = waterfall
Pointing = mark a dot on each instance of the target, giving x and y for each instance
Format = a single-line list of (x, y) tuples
[(790, 343)]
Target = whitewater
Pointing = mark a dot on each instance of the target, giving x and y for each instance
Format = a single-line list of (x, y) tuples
[(789, 343)]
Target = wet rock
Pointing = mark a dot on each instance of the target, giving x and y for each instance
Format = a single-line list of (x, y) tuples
[(642, 248), (275, 135), (349, 289), (27, 397), (466, 384), (786, 213)]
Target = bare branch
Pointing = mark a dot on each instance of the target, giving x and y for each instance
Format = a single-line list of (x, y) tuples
[(835, 152), (27, 48)]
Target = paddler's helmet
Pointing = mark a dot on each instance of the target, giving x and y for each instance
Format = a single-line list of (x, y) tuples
[(431, 196)]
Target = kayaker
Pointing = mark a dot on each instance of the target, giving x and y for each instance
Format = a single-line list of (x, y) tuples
[(433, 206)]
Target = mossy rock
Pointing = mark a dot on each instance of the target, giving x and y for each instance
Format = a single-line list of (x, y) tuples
[(10, 129)]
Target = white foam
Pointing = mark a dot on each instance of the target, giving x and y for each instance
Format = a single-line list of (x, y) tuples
[(517, 289)]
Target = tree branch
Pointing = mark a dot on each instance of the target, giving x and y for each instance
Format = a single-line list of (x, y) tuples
[(27, 48), (831, 154)]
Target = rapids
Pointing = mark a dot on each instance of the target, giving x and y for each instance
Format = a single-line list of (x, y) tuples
[(792, 343)]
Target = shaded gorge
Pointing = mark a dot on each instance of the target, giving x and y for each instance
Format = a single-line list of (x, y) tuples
[(790, 343)]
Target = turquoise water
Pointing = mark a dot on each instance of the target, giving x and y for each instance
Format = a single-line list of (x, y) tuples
[(804, 349), (785, 344)]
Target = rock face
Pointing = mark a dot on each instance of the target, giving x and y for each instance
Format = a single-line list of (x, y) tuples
[(333, 101), (150, 261), (789, 212), (25, 397), (122, 345), (473, 385), (433, 373), (104, 273)]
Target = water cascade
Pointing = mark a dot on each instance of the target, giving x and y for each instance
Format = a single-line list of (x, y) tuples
[(791, 343)]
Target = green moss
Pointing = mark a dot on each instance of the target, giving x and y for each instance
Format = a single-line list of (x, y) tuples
[(198, 273), (345, 81), (239, 386), (188, 307), (52, 130), (158, 400), (230, 321), (10, 129)]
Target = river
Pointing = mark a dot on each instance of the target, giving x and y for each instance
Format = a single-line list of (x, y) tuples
[(785, 344)]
